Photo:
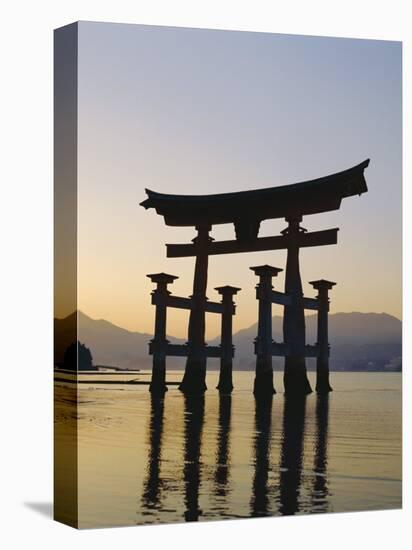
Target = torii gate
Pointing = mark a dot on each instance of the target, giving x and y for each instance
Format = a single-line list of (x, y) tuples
[(246, 210)]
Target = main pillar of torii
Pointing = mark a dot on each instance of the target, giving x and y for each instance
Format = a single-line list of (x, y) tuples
[(194, 379), (294, 331)]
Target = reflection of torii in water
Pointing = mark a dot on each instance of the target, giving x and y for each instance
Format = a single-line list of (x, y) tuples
[(246, 210)]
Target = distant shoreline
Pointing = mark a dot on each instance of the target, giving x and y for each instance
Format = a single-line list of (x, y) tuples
[(147, 371)]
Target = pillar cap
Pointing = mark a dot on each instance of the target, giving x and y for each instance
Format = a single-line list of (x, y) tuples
[(162, 278), (322, 283), (227, 289), (266, 270)]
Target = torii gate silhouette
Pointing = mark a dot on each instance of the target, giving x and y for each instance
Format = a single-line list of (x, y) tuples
[(246, 210)]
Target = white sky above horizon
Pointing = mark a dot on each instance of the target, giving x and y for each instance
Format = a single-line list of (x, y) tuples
[(200, 111)]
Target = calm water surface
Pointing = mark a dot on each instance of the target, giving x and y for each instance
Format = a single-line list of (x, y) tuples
[(184, 459)]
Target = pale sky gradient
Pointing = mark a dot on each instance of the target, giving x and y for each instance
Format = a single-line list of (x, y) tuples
[(200, 111)]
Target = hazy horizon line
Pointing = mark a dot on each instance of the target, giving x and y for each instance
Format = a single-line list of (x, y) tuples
[(239, 330)]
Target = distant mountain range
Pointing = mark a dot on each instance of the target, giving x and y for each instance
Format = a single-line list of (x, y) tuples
[(359, 341)]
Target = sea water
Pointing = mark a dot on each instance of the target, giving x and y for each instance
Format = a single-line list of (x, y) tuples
[(144, 460)]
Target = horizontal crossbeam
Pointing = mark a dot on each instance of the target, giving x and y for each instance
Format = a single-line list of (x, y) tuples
[(279, 242), (282, 350), (310, 303), (179, 302), (280, 298), (286, 300), (311, 350), (182, 350), (213, 351)]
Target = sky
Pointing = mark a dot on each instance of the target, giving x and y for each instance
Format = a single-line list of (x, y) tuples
[(197, 111)]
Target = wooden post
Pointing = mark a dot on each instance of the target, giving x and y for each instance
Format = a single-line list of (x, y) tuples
[(194, 379), (295, 376), (159, 342), (263, 384), (322, 363), (225, 384)]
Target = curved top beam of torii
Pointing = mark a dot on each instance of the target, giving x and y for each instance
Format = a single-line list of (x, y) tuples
[(294, 200)]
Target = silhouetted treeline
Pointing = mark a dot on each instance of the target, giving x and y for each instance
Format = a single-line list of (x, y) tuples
[(78, 357)]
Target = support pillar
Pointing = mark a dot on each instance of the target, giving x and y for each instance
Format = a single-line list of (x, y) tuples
[(159, 342), (225, 384), (263, 384), (194, 379), (295, 376), (322, 362)]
